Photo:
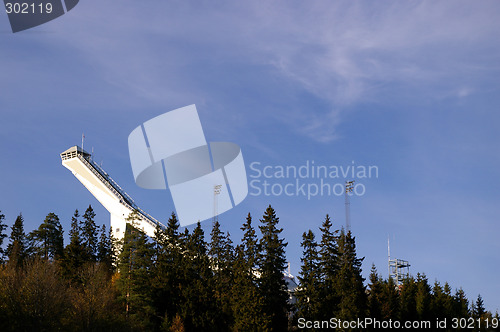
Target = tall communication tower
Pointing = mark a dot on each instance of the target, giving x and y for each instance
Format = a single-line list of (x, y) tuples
[(349, 185), (217, 189)]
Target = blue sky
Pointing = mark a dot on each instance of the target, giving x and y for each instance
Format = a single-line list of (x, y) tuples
[(411, 87)]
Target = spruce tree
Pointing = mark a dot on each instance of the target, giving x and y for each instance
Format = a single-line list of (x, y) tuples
[(168, 273), (448, 302), (74, 254), (247, 305), (2, 237), (308, 296), (329, 267), (198, 308), (479, 309), (408, 304), (105, 250), (438, 300), (159, 239), (272, 263), (250, 245), (47, 240), (460, 304), (221, 254), (423, 297), (348, 281), (389, 300), (375, 294), (115, 249), (16, 250), (134, 281), (89, 235)]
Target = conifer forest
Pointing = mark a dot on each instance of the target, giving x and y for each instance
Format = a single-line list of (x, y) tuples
[(191, 281)]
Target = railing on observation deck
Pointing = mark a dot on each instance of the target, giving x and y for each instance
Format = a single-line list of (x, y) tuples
[(111, 184)]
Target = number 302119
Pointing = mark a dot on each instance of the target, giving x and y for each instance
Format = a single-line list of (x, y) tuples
[(26, 8)]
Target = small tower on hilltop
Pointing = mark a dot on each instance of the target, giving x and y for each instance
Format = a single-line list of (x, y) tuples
[(399, 269)]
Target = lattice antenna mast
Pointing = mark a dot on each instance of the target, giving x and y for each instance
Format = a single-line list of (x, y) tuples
[(388, 255), (217, 190), (399, 269), (349, 185)]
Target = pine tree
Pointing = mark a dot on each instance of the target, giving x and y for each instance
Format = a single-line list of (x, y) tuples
[(408, 304), (389, 300), (250, 245), (348, 281), (437, 303), (16, 250), (198, 308), (74, 254), (47, 240), (423, 297), (460, 304), (329, 267), (89, 235), (272, 263), (448, 303), (160, 318), (308, 296), (105, 250), (375, 294), (221, 253), (168, 274), (479, 309), (247, 305), (134, 282), (115, 249), (2, 237), (159, 239)]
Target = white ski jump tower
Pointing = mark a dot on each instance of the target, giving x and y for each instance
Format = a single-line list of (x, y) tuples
[(107, 192)]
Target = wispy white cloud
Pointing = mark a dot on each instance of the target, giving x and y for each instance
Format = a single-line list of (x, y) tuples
[(350, 52), (342, 52)]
